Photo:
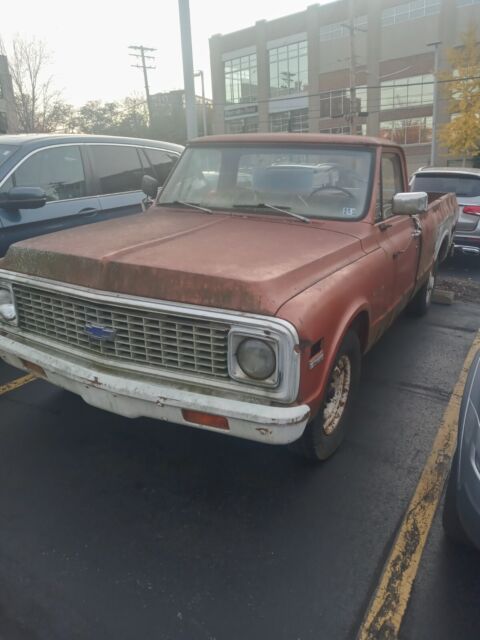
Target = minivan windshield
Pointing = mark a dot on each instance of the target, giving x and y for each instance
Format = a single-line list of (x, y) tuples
[(461, 185), (321, 181), (6, 151)]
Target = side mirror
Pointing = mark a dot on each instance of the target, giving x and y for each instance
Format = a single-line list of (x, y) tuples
[(150, 186), (409, 204), (23, 198)]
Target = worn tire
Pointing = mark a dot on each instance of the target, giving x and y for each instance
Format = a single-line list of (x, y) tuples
[(316, 443), (451, 522), (420, 303)]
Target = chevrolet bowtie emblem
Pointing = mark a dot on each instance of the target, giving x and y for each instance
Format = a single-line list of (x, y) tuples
[(98, 332)]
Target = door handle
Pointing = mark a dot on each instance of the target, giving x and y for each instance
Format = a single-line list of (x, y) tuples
[(383, 226), (89, 210)]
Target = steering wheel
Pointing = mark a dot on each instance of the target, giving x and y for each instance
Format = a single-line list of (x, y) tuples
[(329, 186)]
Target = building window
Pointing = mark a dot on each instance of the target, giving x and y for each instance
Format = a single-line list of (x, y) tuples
[(361, 130), (288, 69), (410, 11), (466, 3), (408, 131), (241, 79), (406, 92), (337, 30), (334, 104), (344, 130), (296, 121), (242, 125)]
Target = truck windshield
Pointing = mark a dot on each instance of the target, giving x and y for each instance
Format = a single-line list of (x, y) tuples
[(461, 185), (323, 181), (6, 151)]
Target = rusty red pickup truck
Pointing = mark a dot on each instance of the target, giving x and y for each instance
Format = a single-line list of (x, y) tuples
[(243, 299)]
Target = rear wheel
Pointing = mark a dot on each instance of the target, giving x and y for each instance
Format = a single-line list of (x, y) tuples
[(422, 300), (324, 434)]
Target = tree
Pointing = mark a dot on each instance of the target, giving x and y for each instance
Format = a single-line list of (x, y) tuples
[(461, 87), (98, 117), (40, 108), (125, 118)]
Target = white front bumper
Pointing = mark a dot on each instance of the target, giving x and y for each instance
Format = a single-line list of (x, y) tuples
[(133, 398)]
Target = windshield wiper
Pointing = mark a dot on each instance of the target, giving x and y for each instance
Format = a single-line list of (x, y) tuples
[(185, 204), (267, 205)]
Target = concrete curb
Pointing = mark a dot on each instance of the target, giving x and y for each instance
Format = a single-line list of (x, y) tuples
[(442, 296)]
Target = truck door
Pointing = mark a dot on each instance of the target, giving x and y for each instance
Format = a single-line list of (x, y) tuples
[(397, 234)]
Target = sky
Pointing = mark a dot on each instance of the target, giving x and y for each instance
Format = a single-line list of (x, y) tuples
[(88, 40)]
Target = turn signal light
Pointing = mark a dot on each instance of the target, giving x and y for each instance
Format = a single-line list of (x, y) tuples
[(472, 209), (206, 419)]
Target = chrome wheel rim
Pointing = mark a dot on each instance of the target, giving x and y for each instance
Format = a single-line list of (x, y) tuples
[(337, 394)]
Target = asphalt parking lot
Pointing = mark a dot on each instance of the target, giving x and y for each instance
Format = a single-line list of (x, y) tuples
[(113, 528)]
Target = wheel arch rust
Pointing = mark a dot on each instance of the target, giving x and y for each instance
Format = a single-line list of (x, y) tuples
[(357, 319)]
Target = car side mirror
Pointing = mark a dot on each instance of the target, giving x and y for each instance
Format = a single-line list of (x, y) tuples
[(23, 198), (409, 204), (150, 186)]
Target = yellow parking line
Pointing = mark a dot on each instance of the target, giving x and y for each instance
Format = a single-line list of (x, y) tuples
[(19, 382), (390, 600)]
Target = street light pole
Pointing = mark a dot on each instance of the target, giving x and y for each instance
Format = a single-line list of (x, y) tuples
[(204, 105), (433, 148), (189, 82)]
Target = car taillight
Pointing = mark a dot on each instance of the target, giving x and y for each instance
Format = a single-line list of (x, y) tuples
[(472, 209)]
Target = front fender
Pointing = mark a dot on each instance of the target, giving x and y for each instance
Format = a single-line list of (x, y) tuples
[(324, 313)]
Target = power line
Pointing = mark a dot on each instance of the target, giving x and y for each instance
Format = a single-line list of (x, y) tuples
[(144, 66)]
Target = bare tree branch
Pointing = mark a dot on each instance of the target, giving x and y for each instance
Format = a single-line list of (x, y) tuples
[(40, 108)]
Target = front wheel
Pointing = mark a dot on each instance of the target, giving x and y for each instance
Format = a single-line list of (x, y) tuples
[(324, 434)]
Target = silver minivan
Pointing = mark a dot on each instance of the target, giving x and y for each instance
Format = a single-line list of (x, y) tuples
[(465, 183)]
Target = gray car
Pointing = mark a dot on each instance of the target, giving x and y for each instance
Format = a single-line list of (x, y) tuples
[(465, 183), (461, 512), (54, 182)]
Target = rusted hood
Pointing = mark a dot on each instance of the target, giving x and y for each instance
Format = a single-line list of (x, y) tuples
[(251, 263)]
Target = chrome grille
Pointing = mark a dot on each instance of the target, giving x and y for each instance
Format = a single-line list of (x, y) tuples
[(155, 338)]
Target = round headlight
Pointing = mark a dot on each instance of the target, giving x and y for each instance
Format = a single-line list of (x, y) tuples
[(256, 359), (7, 306)]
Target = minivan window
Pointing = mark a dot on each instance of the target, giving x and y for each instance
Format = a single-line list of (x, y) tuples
[(466, 186), (162, 163), (57, 170), (117, 167), (6, 151)]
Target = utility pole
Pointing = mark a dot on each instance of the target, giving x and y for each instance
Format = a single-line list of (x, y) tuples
[(204, 105), (436, 64), (188, 79), (143, 65), (352, 116), (353, 75)]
